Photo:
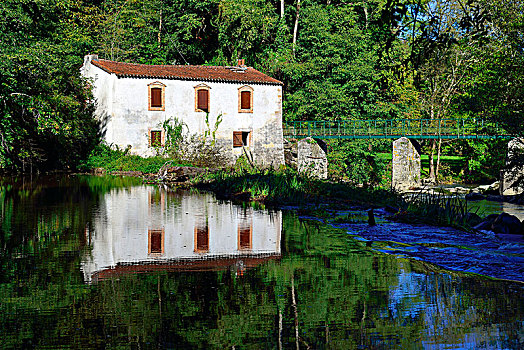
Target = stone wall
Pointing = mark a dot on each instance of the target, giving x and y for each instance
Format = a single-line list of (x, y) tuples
[(406, 165), (312, 158), (291, 153)]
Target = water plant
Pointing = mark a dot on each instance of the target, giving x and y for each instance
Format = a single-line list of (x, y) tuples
[(437, 209)]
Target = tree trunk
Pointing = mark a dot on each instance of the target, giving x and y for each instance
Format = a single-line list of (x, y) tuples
[(438, 157), (295, 30), (160, 29), (281, 8), (432, 151), (279, 330), (431, 160), (366, 14)]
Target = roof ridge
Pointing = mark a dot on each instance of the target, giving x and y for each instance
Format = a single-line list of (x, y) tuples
[(171, 65), (242, 74)]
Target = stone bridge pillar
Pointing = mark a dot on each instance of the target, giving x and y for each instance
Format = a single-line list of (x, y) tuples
[(406, 165), (312, 157), (512, 176)]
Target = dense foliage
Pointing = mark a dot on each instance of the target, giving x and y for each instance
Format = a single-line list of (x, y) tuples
[(337, 59)]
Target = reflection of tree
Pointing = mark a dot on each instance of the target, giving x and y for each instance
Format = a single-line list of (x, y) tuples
[(327, 286), (42, 234)]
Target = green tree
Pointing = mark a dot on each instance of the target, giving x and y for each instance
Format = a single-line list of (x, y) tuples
[(45, 109)]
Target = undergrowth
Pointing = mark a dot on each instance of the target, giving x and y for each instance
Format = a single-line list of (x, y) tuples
[(117, 159), (287, 186)]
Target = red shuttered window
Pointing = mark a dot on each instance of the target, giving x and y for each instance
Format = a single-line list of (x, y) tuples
[(241, 138), (245, 100), (203, 100), (156, 97), (237, 138)]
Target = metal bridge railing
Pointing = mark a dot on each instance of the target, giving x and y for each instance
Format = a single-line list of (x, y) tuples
[(394, 128)]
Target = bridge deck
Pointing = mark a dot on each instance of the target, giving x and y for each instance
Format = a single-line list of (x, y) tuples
[(395, 128)]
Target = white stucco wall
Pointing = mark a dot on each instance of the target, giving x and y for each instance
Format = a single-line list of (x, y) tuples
[(120, 228), (123, 108)]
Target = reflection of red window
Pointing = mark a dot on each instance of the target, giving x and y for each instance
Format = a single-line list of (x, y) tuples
[(201, 239), (244, 237), (156, 241)]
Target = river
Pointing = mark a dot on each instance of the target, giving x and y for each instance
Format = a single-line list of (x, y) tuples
[(106, 262)]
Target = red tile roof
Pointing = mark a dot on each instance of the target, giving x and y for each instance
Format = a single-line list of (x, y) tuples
[(203, 73)]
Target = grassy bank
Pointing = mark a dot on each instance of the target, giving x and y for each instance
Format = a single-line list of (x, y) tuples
[(284, 186), (111, 160), (289, 187)]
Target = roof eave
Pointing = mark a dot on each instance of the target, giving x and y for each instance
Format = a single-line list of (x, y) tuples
[(119, 75)]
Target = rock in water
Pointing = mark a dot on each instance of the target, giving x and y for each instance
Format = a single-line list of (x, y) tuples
[(371, 217), (507, 224), (475, 196), (487, 222)]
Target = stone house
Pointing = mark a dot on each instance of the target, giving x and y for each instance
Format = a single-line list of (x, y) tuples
[(133, 101)]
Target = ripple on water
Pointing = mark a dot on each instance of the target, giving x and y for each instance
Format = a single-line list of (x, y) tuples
[(498, 256)]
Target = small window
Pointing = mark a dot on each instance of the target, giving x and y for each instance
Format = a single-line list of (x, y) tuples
[(156, 96), (155, 138), (245, 99), (202, 98), (241, 138), (201, 239), (156, 242)]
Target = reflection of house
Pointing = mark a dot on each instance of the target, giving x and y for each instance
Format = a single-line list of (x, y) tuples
[(133, 100), (143, 229)]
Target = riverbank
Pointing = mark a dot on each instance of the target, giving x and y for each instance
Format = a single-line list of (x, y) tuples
[(280, 188), (324, 199)]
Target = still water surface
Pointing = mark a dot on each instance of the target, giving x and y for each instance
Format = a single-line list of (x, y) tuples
[(94, 262)]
